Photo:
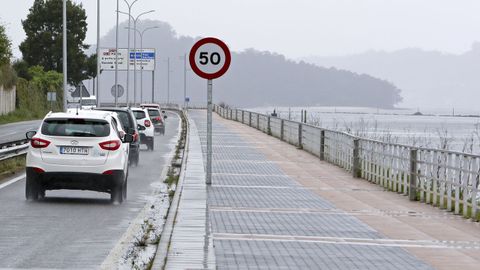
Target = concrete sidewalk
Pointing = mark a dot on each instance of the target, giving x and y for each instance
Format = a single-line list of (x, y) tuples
[(272, 206)]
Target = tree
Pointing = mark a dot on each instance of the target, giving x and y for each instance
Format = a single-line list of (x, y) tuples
[(8, 77), (91, 66), (5, 47), (44, 30), (21, 68)]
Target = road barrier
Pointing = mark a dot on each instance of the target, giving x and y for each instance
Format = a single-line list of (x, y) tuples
[(13, 149), (446, 179)]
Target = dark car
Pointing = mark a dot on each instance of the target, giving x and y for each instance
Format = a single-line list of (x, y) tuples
[(129, 123)]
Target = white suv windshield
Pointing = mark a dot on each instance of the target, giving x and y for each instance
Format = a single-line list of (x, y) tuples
[(76, 127)]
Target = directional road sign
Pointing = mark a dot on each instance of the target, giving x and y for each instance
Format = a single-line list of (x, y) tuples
[(145, 59)]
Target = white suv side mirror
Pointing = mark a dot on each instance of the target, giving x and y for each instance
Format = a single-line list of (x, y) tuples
[(30, 134)]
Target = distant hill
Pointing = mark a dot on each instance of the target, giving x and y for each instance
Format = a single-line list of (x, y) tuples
[(428, 79), (254, 79)]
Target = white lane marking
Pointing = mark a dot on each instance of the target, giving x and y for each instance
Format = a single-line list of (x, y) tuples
[(9, 182)]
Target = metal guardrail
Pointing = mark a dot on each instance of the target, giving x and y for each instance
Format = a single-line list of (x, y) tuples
[(446, 179), (13, 149)]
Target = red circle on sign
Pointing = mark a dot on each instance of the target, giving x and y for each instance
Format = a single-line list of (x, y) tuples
[(226, 51)]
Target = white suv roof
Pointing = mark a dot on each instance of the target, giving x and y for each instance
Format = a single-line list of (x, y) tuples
[(72, 113)]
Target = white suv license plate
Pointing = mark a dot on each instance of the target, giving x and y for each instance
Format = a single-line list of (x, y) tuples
[(69, 150)]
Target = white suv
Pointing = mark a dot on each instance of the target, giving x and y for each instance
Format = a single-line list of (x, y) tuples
[(87, 150), (145, 127)]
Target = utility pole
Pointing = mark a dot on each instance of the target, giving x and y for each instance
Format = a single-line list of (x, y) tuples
[(128, 45), (65, 55)]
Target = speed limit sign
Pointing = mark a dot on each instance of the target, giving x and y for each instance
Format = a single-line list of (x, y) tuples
[(210, 58)]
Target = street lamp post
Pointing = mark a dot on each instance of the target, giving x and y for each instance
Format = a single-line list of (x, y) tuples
[(168, 81), (98, 53), (128, 45), (65, 55), (116, 59), (141, 50), (184, 81), (134, 49)]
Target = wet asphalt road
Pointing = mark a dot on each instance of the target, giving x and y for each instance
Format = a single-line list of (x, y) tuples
[(76, 229), (16, 131)]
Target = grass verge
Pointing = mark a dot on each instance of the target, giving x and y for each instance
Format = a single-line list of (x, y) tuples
[(11, 166)]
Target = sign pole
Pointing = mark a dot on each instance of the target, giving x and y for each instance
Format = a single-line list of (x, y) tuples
[(209, 58), (209, 132), (153, 86)]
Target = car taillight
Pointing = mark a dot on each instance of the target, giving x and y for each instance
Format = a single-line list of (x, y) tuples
[(38, 170), (159, 119), (109, 172), (147, 123), (39, 143), (110, 145), (135, 137)]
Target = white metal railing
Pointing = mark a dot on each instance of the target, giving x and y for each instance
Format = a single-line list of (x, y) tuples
[(445, 179)]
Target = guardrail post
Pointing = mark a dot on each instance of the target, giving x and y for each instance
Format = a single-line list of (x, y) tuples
[(282, 125), (243, 116), (356, 170), (412, 192), (322, 144), (250, 119), (269, 129), (258, 121), (236, 115), (300, 136)]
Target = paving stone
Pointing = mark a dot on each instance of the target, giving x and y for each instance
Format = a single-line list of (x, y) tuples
[(251, 196)]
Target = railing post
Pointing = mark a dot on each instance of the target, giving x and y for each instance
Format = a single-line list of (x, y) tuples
[(322, 144), (356, 159), (300, 136), (258, 121), (413, 175), (282, 124), (243, 116), (250, 119), (236, 115), (269, 130)]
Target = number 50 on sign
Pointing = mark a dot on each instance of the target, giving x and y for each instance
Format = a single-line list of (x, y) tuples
[(210, 58)]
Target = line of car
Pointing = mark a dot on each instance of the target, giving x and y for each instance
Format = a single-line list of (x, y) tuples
[(90, 149)]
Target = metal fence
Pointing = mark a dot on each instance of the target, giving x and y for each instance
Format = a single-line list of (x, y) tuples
[(446, 179), (13, 149)]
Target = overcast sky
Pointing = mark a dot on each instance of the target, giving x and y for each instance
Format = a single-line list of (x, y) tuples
[(296, 28)]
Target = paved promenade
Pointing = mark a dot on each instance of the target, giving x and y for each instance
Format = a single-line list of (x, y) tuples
[(272, 206)]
